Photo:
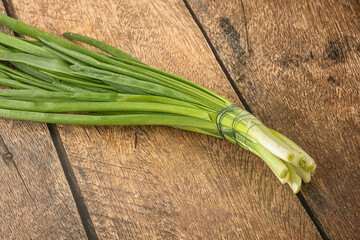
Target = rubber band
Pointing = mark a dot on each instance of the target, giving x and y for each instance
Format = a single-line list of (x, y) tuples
[(238, 115), (219, 117)]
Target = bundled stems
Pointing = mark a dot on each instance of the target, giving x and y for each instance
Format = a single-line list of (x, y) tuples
[(55, 77)]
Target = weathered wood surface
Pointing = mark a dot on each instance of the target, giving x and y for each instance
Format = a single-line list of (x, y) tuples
[(35, 199), (297, 64), (157, 182)]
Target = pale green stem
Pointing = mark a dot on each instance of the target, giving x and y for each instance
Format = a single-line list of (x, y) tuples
[(294, 179)]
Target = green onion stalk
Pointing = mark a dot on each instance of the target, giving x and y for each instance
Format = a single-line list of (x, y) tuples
[(51, 76)]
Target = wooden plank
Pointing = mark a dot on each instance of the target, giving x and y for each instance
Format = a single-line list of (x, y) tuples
[(157, 182), (35, 199), (297, 64)]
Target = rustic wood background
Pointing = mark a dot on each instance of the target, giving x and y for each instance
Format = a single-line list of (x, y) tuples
[(294, 64)]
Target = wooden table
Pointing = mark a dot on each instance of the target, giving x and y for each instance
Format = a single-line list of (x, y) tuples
[(294, 64)]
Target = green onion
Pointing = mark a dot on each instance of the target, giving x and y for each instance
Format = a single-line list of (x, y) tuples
[(56, 77)]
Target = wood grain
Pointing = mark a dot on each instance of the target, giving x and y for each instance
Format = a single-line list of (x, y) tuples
[(157, 182), (297, 64), (35, 199)]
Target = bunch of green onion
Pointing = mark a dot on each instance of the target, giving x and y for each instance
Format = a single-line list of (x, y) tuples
[(52, 77)]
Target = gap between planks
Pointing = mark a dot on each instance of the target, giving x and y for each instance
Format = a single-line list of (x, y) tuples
[(300, 197), (73, 183), (217, 57)]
